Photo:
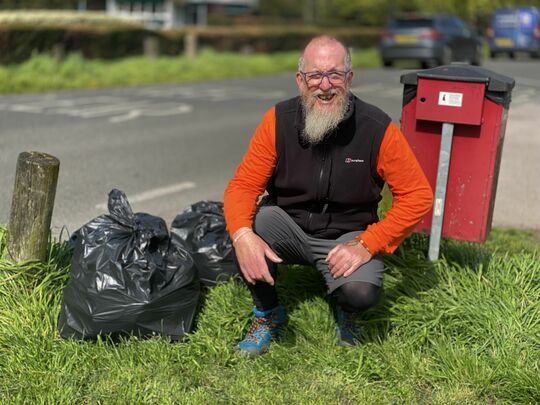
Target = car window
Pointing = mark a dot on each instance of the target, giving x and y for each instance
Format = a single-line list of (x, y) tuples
[(505, 20), (412, 23), (464, 29), (446, 23), (459, 24)]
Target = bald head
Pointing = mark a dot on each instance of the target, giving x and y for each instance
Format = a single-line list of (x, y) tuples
[(328, 46)]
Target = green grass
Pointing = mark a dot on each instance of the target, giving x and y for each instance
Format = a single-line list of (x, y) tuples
[(42, 73), (464, 330)]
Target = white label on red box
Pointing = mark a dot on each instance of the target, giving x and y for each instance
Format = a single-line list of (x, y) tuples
[(450, 99)]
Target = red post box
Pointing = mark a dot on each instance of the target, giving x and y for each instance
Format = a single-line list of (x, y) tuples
[(457, 114)]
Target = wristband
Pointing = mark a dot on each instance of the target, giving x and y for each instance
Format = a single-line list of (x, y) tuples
[(365, 246), (243, 232)]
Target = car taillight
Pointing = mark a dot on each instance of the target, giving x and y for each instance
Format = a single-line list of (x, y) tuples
[(537, 31), (430, 34), (387, 35), (490, 33)]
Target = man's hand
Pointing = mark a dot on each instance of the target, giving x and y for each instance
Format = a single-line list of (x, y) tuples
[(251, 251), (346, 258)]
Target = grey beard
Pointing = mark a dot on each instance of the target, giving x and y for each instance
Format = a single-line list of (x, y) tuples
[(318, 124)]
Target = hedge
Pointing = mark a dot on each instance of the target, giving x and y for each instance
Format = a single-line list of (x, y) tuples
[(19, 41)]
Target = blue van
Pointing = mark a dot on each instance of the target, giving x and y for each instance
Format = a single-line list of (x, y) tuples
[(515, 29)]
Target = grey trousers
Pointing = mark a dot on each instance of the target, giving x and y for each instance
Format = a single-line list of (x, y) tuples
[(294, 246)]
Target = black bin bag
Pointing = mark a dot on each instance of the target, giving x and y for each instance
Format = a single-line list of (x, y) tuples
[(201, 229), (127, 278)]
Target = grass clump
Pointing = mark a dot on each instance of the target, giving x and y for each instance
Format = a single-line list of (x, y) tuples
[(43, 73), (461, 330), (62, 18)]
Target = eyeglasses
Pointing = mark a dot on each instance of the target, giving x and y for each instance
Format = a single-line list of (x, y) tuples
[(333, 76)]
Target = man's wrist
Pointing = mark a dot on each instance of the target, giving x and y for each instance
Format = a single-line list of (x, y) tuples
[(358, 242), (361, 241), (240, 233)]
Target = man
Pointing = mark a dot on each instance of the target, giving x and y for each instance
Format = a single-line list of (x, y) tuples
[(323, 158)]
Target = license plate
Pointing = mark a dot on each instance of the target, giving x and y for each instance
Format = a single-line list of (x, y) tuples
[(506, 42), (406, 39)]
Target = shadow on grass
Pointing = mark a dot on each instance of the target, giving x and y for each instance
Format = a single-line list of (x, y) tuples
[(408, 273)]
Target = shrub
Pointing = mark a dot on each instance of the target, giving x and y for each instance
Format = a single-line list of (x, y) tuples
[(18, 41)]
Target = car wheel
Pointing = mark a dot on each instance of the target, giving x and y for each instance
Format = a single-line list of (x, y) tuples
[(535, 55), (512, 55), (446, 58), (477, 58), (387, 63), (492, 55)]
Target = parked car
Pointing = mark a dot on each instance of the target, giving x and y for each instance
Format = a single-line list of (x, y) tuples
[(514, 29), (432, 40)]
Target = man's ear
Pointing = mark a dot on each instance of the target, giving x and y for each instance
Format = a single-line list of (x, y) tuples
[(350, 77), (300, 81)]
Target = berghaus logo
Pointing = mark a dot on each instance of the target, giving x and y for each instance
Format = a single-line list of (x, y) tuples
[(352, 160)]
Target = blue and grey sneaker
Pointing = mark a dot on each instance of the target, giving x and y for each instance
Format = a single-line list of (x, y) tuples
[(266, 327), (347, 329)]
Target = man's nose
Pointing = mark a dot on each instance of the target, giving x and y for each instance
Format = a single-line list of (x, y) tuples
[(325, 83)]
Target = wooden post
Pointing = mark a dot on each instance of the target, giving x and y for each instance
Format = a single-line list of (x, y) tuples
[(151, 47), (32, 206), (58, 52), (190, 45)]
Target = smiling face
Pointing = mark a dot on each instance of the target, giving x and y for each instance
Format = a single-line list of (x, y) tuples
[(326, 100), (324, 55)]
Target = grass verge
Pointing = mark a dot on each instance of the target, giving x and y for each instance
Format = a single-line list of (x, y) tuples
[(462, 330), (42, 73)]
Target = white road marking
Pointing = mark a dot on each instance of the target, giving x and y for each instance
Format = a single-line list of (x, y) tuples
[(187, 92), (142, 102), (155, 193), (38, 107), (216, 94), (168, 101), (178, 109), (99, 110), (48, 102), (126, 117)]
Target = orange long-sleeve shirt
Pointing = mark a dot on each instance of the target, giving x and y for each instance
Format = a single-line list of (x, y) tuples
[(396, 164)]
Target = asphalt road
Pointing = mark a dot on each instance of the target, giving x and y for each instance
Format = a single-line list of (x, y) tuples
[(169, 146)]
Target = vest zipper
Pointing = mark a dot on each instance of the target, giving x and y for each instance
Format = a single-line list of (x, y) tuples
[(319, 185), (323, 160)]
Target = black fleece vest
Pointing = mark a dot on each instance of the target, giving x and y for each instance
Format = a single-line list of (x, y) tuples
[(332, 187)]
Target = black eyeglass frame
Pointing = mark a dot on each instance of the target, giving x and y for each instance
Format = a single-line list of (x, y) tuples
[(317, 82)]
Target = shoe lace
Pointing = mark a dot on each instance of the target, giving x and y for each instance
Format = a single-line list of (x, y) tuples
[(257, 329)]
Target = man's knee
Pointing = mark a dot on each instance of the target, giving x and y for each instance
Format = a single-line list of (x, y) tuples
[(357, 296), (266, 221), (263, 217)]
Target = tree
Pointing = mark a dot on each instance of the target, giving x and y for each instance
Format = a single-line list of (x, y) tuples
[(38, 4), (377, 12)]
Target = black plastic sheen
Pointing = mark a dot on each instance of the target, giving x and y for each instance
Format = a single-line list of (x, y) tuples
[(201, 229), (127, 278)]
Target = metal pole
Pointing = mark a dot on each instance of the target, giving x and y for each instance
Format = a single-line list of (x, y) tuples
[(440, 191)]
